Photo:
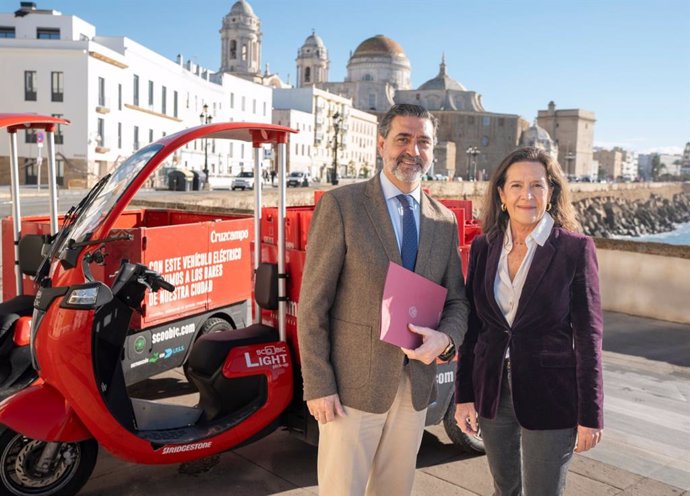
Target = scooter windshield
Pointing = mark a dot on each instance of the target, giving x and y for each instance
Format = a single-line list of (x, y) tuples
[(97, 209)]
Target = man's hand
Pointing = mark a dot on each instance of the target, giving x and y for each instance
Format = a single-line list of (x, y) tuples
[(433, 344), (466, 417), (587, 438), (325, 409)]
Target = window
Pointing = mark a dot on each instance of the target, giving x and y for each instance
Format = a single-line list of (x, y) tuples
[(101, 92), (150, 135), (57, 89), (486, 121), (470, 119), (119, 96), (485, 141), (232, 100), (501, 121), (164, 97), (136, 138), (30, 86), (264, 109), (307, 75), (135, 90), (175, 103), (100, 139), (254, 106), (58, 136), (30, 136), (244, 101), (119, 135), (244, 52), (48, 33), (7, 32), (233, 49), (372, 101), (150, 93)]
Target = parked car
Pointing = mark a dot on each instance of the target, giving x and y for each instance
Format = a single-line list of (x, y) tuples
[(298, 178), (244, 180)]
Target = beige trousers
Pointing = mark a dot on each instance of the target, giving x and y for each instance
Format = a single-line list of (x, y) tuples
[(370, 453)]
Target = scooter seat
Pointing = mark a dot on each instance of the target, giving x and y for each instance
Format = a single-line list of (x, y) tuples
[(210, 350), (22, 305)]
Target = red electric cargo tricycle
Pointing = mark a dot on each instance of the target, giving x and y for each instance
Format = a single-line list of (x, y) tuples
[(247, 379)]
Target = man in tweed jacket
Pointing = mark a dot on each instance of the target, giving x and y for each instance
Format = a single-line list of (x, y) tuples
[(370, 397)]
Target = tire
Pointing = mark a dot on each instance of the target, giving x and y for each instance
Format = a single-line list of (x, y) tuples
[(470, 444), (73, 463), (214, 324)]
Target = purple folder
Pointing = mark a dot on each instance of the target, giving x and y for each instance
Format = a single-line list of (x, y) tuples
[(409, 298)]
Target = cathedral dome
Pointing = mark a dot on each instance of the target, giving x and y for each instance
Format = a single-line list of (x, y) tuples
[(442, 81), (378, 45), (242, 7)]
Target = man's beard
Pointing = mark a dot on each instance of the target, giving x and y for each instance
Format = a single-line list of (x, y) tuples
[(407, 173)]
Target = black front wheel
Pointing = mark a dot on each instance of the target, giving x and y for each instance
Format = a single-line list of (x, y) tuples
[(471, 444), (29, 467)]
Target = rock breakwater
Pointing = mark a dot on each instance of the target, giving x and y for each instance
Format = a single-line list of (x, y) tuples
[(607, 216)]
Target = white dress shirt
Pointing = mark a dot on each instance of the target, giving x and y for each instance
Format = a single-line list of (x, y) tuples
[(395, 210), (506, 292)]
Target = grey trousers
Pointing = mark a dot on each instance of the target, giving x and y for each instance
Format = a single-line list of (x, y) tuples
[(525, 462)]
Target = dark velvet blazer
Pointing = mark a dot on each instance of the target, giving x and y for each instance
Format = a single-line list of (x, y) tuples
[(555, 339)]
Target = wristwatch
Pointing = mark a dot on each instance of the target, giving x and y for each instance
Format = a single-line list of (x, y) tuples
[(449, 352)]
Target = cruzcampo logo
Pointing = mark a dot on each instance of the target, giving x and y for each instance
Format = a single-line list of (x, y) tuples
[(140, 344)]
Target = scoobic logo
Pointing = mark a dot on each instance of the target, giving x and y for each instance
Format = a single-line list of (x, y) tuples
[(412, 311), (268, 356), (140, 344)]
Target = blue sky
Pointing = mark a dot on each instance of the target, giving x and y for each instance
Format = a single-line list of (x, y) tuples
[(628, 61)]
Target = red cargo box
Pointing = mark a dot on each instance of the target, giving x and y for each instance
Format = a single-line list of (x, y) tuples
[(304, 223), (269, 226), (207, 259), (317, 195), (466, 205), (471, 231), (206, 256)]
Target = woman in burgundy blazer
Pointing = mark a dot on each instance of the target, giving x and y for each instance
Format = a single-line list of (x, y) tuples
[(532, 374)]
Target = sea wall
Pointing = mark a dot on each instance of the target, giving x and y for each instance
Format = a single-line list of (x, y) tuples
[(645, 279)]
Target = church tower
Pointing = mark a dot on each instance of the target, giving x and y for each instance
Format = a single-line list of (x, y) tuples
[(312, 62), (241, 42)]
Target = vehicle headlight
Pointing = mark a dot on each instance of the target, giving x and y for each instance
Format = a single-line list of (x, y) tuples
[(82, 297)]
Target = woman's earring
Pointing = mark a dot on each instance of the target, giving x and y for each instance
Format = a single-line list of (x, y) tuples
[(548, 207), (503, 207)]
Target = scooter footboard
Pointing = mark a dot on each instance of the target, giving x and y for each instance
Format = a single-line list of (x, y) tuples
[(41, 412)]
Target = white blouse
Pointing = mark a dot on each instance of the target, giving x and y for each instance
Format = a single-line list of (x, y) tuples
[(506, 292)]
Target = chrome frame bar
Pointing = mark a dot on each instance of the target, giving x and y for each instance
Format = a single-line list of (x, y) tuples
[(52, 183), (258, 193), (16, 212), (282, 282)]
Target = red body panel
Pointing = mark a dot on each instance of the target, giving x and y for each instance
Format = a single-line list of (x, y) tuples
[(40, 412)]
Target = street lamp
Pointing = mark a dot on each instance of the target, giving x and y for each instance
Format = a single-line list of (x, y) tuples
[(472, 152), (205, 118), (336, 127)]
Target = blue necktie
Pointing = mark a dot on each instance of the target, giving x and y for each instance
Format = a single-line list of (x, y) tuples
[(408, 249)]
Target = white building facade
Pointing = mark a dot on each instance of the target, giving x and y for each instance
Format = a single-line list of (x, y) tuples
[(119, 96), (333, 115)]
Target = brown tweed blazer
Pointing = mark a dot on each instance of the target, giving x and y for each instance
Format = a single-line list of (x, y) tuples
[(351, 241)]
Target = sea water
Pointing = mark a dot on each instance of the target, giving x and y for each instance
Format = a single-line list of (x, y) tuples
[(679, 236)]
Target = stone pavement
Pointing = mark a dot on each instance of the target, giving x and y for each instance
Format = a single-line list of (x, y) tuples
[(645, 450)]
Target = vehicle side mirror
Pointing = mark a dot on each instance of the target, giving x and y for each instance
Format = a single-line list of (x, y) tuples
[(31, 253)]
